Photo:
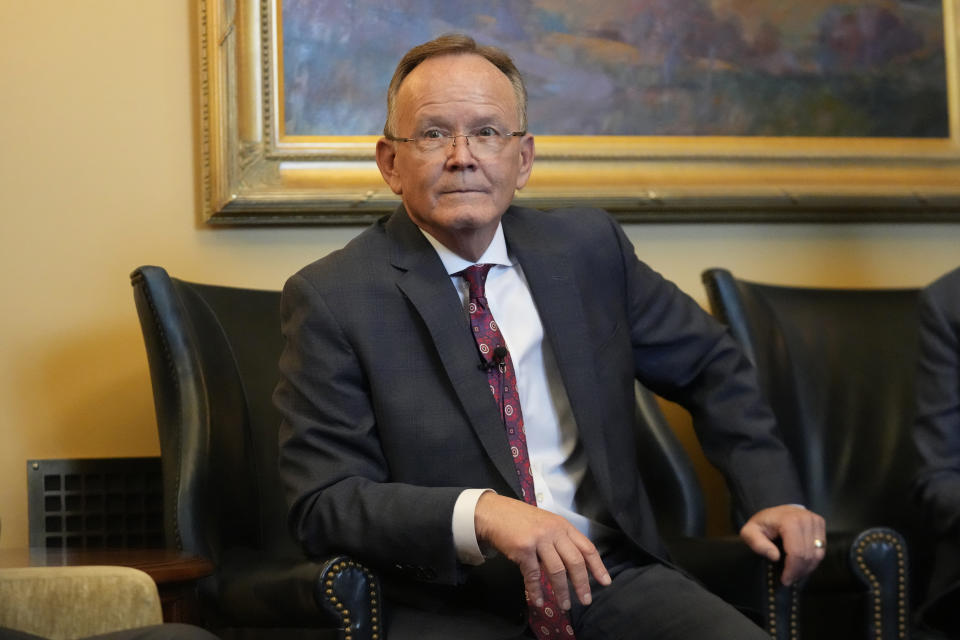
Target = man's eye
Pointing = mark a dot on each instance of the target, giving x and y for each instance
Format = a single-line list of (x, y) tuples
[(486, 132), (432, 134)]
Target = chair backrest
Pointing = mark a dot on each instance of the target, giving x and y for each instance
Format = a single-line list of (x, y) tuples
[(213, 355), (837, 366)]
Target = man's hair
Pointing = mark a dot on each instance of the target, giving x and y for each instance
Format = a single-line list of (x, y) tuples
[(455, 44)]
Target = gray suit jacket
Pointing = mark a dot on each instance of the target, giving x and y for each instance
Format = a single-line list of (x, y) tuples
[(937, 435), (937, 431), (387, 417)]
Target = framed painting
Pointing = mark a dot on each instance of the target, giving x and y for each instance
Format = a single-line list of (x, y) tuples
[(659, 110)]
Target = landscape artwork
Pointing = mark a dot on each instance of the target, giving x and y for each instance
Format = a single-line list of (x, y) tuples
[(808, 68)]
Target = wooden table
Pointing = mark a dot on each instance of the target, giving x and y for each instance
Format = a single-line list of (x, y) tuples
[(174, 572)]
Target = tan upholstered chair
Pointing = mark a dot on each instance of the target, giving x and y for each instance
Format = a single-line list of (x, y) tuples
[(63, 603)]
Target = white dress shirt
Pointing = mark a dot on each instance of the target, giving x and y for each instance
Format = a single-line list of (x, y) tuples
[(557, 460)]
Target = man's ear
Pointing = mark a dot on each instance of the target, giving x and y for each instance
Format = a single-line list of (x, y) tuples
[(527, 153), (387, 163)]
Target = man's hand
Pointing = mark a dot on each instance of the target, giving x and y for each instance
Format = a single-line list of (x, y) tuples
[(803, 533), (540, 541)]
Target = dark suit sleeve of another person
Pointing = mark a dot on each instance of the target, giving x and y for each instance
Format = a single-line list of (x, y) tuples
[(937, 431)]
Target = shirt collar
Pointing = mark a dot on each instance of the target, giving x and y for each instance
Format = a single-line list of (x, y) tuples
[(496, 253)]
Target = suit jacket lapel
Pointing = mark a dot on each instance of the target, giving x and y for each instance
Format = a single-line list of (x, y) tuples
[(557, 297), (439, 306)]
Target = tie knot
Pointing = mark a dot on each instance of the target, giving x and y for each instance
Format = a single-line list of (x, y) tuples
[(476, 277)]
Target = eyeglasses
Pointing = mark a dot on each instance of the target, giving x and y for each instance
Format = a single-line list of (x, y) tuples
[(483, 142)]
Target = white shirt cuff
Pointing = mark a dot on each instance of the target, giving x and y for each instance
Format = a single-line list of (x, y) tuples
[(464, 530)]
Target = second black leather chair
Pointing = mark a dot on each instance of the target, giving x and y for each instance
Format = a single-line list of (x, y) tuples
[(837, 366)]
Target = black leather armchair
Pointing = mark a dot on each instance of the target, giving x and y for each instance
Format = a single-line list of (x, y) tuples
[(212, 353), (837, 366), (723, 564)]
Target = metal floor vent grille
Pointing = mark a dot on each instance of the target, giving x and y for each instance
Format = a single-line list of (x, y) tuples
[(95, 503)]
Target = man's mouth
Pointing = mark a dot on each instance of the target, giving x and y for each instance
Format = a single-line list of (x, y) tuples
[(462, 190)]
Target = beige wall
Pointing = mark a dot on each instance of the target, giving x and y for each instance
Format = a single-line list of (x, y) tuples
[(97, 176)]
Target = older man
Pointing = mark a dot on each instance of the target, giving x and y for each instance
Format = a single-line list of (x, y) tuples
[(457, 392)]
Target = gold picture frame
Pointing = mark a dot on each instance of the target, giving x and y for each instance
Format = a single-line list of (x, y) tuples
[(252, 176)]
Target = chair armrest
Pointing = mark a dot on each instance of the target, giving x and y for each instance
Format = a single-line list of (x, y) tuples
[(878, 558), (335, 592), (71, 602), (731, 570)]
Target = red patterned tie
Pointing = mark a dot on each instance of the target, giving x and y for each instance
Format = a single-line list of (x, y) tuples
[(548, 621)]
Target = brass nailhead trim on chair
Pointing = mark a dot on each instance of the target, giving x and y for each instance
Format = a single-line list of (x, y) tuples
[(875, 584), (172, 367), (772, 606)]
